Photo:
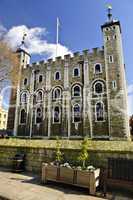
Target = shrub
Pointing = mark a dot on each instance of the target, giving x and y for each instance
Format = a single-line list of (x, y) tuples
[(83, 155)]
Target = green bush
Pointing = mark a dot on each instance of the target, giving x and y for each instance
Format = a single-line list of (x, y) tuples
[(83, 155)]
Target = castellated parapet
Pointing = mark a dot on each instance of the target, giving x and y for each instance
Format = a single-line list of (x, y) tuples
[(83, 94)]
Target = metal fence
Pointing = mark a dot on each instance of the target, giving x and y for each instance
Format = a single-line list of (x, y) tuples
[(120, 168)]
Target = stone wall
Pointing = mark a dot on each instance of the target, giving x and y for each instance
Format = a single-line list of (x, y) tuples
[(38, 151)]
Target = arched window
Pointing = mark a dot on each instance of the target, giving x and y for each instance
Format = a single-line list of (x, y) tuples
[(76, 91), (23, 116), (23, 97), (76, 113), (97, 68), (40, 78), (98, 87), (76, 72), (39, 96), (56, 115), (39, 115), (99, 111), (57, 93), (25, 81), (57, 76)]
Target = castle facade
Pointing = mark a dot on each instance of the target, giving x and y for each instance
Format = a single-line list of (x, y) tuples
[(80, 95)]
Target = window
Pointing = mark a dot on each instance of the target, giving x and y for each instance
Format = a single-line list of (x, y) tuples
[(114, 84), (97, 68), (25, 81), (40, 78), (76, 91), (98, 87), (76, 113), (23, 97), (99, 111), (114, 37), (111, 59), (57, 93), (57, 76), (23, 116), (4, 115), (39, 96), (0, 114), (108, 38), (76, 72), (56, 114), (39, 115)]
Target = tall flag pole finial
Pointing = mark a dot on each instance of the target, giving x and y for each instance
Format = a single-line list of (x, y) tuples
[(109, 9), (57, 34)]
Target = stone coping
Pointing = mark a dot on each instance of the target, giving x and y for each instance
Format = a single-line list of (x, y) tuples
[(108, 146)]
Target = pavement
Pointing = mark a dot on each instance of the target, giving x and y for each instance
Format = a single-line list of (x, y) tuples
[(26, 186)]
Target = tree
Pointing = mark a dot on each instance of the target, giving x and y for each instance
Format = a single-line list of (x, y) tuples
[(58, 152), (9, 64), (83, 156)]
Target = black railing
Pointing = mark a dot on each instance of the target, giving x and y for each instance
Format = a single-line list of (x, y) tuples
[(120, 168)]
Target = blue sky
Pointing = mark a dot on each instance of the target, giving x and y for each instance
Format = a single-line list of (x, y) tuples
[(80, 22)]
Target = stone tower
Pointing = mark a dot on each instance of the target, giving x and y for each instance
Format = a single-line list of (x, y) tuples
[(116, 82), (24, 59)]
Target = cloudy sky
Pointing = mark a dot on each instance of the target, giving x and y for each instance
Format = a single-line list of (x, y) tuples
[(80, 22)]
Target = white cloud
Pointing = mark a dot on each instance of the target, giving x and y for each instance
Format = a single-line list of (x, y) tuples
[(36, 42)]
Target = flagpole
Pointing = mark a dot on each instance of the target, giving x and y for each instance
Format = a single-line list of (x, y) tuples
[(57, 35)]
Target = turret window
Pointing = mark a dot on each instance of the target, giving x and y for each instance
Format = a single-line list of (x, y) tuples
[(57, 76), (108, 38), (99, 112), (114, 85), (114, 37), (25, 81), (111, 59), (40, 78), (76, 72), (97, 69)]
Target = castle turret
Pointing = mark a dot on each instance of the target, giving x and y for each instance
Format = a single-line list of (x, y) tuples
[(116, 82), (24, 56), (24, 59)]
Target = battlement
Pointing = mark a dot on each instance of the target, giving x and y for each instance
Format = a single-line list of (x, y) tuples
[(85, 53)]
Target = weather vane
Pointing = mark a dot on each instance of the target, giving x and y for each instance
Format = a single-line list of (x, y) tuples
[(109, 9), (23, 39)]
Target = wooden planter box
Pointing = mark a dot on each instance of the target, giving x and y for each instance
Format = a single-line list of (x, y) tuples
[(75, 177), (66, 175)]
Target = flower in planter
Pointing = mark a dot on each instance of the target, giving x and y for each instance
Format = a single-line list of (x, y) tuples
[(90, 168), (79, 168), (66, 165)]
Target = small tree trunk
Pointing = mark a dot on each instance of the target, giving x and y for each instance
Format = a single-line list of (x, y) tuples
[(83, 164)]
